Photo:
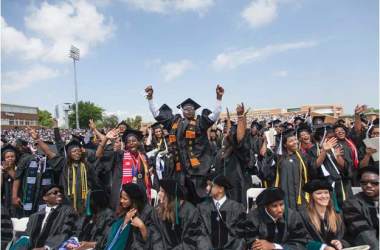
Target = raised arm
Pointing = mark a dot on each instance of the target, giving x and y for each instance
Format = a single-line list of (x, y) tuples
[(149, 96), (59, 144), (357, 122), (111, 135), (44, 147), (242, 122), (214, 116)]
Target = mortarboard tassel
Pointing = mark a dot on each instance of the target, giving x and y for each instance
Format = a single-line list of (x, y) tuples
[(335, 202), (88, 207)]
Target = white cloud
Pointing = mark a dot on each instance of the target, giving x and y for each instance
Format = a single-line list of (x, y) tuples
[(260, 12), (233, 59), (16, 80), (15, 42), (55, 28), (50, 30), (281, 73), (74, 22), (174, 70), (165, 6)]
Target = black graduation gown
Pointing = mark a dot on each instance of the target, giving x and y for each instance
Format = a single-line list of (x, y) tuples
[(362, 221), (221, 233), (200, 148), (187, 235), (115, 165), (342, 178), (323, 237), (59, 226), (6, 194), (136, 242), (60, 164), (288, 168), (232, 161), (95, 228), (351, 171), (33, 175), (291, 232), (6, 227)]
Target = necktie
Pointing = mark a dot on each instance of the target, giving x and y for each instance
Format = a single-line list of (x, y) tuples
[(217, 204)]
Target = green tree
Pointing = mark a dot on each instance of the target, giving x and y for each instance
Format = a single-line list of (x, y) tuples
[(87, 110), (134, 123), (109, 121), (44, 118), (372, 110)]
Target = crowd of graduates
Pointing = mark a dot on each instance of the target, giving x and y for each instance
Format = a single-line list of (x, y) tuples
[(183, 184)]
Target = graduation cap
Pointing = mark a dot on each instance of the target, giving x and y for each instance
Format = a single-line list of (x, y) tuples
[(211, 175), (317, 184), (286, 125), (191, 102), (369, 169), (299, 118), (8, 148), (78, 138), (73, 144), (340, 125), (156, 125), (274, 122), (206, 112), (122, 123), (46, 189), (303, 127), (172, 188), (321, 131), (134, 191), (288, 133), (269, 196), (257, 125), (132, 132), (222, 181)]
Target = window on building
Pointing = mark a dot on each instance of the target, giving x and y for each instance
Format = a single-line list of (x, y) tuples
[(26, 122), (11, 122)]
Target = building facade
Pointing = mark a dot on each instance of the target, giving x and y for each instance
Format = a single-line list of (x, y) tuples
[(13, 116)]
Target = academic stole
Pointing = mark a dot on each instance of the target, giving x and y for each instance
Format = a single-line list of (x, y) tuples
[(335, 201), (130, 165), (71, 190), (190, 135), (303, 170), (354, 152), (173, 145)]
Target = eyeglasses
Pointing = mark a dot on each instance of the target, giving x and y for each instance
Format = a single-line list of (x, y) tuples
[(373, 183), (54, 193)]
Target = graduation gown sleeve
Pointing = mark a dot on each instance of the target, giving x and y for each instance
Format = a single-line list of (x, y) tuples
[(361, 221)]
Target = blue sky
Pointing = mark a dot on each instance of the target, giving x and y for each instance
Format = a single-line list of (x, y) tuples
[(266, 53)]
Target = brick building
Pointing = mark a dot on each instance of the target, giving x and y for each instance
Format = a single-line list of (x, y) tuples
[(18, 116)]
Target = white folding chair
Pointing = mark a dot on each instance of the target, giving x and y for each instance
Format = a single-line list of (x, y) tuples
[(154, 196), (252, 193), (356, 190), (19, 225)]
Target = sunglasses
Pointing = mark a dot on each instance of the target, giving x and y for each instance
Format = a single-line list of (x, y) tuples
[(373, 183), (54, 193)]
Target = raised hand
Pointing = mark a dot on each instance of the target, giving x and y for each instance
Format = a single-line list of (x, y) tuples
[(92, 124), (112, 134), (129, 215), (240, 109), (329, 144), (149, 92), (370, 151), (219, 92), (360, 109), (33, 133), (137, 222)]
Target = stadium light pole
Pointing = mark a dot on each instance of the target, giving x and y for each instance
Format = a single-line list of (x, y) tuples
[(74, 54)]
